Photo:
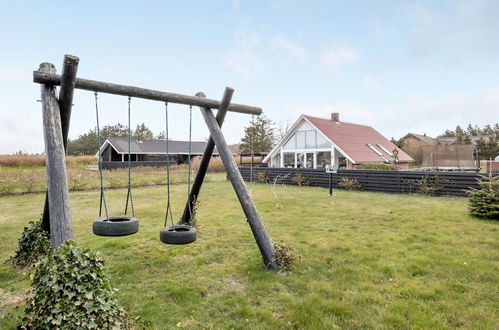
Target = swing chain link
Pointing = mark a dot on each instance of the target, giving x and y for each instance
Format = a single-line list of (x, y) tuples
[(189, 202), (129, 193), (102, 196), (168, 205)]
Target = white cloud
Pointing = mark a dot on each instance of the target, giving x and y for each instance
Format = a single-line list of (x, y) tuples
[(246, 58), (369, 82), (335, 59), (376, 29), (288, 51), (418, 114), (252, 54), (465, 27)]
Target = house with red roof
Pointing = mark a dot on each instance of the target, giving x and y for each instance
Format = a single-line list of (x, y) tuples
[(316, 142)]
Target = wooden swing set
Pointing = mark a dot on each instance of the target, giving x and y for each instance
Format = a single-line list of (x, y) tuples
[(56, 118)]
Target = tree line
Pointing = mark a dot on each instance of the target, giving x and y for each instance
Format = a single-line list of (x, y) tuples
[(487, 138), (87, 144), (259, 136)]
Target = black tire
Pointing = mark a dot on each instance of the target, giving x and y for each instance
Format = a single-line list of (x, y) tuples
[(115, 226), (178, 234)]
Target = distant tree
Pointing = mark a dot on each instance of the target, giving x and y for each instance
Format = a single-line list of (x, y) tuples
[(142, 132), (473, 130), (161, 136), (399, 143), (85, 144), (448, 133), (280, 130), (258, 136), (118, 130), (487, 130)]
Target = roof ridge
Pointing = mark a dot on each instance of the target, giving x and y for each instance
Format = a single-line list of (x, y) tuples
[(341, 122), (153, 140)]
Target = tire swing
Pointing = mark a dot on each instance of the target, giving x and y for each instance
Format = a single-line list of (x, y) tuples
[(116, 225), (177, 234)]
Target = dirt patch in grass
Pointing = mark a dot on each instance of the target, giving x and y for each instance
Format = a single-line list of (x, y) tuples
[(9, 300)]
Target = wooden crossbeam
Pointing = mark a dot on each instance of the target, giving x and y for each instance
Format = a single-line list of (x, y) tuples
[(143, 93)]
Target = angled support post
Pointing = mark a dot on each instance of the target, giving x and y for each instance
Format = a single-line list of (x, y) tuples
[(207, 154), (255, 221), (55, 159), (68, 80)]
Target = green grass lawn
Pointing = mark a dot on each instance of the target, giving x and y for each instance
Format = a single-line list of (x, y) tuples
[(370, 260)]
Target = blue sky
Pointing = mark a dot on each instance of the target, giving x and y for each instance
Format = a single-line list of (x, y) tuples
[(399, 66)]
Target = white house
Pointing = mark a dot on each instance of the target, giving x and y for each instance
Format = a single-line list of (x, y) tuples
[(316, 142)]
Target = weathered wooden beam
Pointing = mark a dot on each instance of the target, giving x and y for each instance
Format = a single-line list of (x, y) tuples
[(55, 159), (104, 87), (255, 221), (68, 78), (68, 81), (207, 154)]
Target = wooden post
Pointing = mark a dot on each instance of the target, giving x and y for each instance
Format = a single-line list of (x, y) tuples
[(330, 184), (207, 154), (255, 221), (55, 159), (68, 79)]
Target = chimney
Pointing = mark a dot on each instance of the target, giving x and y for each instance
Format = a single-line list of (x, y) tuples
[(335, 116)]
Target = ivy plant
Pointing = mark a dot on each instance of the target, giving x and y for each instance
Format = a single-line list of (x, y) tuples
[(34, 244), (71, 290)]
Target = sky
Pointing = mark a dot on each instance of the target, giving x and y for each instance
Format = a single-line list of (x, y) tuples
[(399, 66)]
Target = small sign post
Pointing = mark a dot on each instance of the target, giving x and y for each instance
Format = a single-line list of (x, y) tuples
[(331, 169), (395, 155)]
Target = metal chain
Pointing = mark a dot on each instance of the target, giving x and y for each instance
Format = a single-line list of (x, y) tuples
[(168, 205), (189, 202), (129, 194), (252, 146), (102, 197)]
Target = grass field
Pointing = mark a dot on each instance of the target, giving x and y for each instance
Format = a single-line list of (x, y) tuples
[(370, 260), (27, 174)]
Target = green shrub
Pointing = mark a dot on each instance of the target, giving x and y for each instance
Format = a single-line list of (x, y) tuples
[(34, 244), (484, 203), (7, 187), (285, 258), (72, 291), (262, 177), (300, 179), (428, 186), (379, 166), (351, 184)]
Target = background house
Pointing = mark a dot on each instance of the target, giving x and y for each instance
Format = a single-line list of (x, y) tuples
[(411, 143), (316, 142), (114, 152)]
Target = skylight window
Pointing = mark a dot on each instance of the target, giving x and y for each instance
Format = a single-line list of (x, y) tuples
[(377, 152), (384, 149)]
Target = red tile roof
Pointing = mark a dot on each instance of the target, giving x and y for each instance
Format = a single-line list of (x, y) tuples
[(352, 139)]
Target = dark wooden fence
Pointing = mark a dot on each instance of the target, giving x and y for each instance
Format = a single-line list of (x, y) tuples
[(445, 183)]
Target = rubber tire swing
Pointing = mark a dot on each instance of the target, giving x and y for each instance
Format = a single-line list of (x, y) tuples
[(178, 234), (119, 225), (115, 226)]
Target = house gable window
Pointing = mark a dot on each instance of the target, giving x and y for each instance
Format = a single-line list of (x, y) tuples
[(310, 139)]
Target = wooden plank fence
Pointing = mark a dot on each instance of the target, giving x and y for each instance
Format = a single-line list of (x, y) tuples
[(445, 183)]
